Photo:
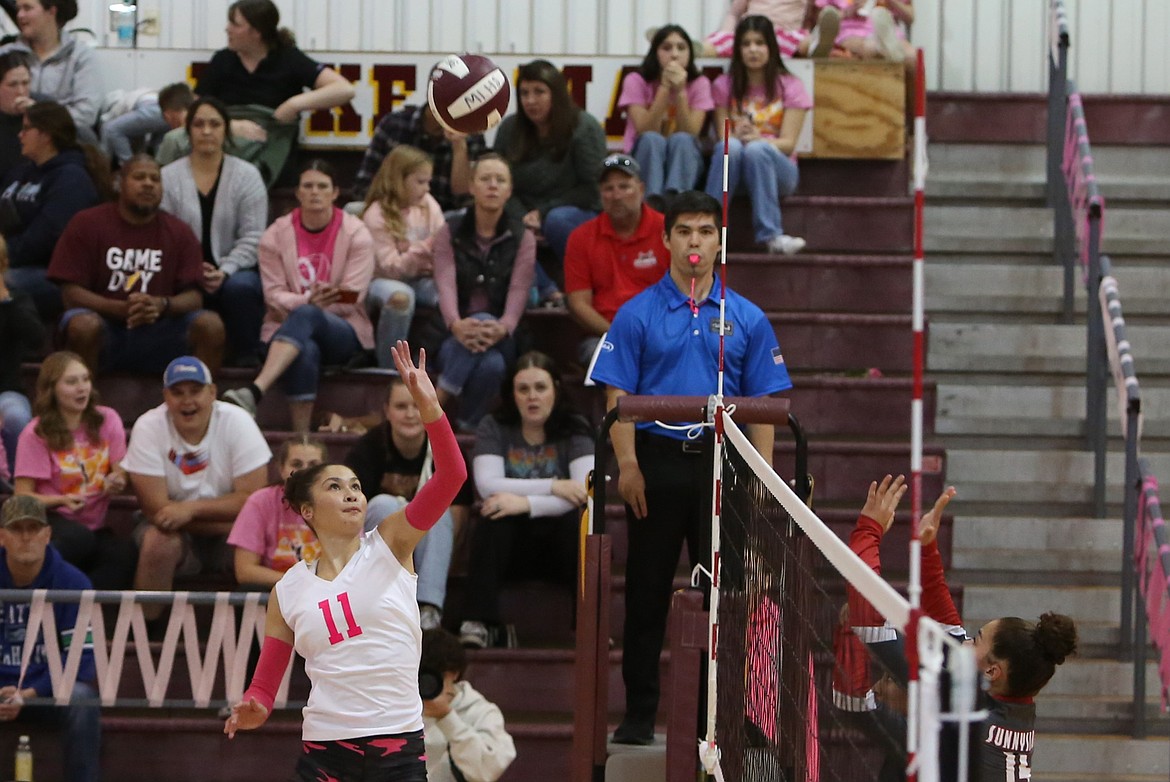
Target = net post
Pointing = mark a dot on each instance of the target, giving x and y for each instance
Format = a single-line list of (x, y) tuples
[(709, 748)]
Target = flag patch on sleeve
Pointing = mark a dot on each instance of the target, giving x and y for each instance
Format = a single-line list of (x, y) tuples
[(777, 356)]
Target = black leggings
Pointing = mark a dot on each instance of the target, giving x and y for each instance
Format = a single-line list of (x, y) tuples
[(107, 558), (396, 757)]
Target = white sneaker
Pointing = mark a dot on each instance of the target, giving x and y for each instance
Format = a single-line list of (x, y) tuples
[(886, 35), (473, 635), (788, 245), (429, 617), (241, 397), (824, 33)]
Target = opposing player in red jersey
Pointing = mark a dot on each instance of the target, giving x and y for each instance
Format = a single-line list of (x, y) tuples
[(353, 616)]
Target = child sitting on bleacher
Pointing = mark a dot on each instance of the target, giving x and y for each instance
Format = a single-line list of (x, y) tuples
[(69, 458), (270, 537), (403, 219)]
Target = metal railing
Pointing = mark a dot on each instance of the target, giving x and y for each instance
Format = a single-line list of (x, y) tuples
[(1079, 212)]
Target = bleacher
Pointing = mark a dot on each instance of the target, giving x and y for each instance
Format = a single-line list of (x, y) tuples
[(841, 310)]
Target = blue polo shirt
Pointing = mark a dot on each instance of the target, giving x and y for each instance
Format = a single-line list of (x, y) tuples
[(657, 346)]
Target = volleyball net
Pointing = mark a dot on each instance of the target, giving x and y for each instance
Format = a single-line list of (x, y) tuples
[(800, 694)]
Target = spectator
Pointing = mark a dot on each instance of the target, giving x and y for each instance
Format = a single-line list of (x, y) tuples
[(767, 105), (41, 195), (666, 477), (466, 738), (614, 256), (27, 561), (192, 462), (262, 77), (14, 100), (451, 153), (130, 274), (393, 461), (223, 199), (554, 149), (403, 219), (316, 264), (142, 117), (269, 536), (69, 458), (484, 261), (788, 18), (666, 102), (875, 31), (530, 465), (64, 69), (22, 334)]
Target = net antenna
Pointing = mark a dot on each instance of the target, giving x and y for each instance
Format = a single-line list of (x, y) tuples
[(708, 748)]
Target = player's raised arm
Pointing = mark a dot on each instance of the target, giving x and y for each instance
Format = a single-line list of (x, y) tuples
[(404, 529)]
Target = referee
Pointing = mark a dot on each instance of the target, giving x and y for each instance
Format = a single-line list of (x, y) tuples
[(665, 341)]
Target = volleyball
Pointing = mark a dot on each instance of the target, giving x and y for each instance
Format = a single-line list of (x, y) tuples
[(468, 93)]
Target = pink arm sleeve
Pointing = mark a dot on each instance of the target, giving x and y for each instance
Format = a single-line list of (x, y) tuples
[(450, 472), (274, 657), (523, 273)]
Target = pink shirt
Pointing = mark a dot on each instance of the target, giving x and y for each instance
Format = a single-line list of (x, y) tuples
[(767, 116), (636, 91), (268, 527), (422, 222), (78, 471), (315, 249)]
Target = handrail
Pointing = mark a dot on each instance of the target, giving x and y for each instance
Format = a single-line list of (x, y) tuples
[(1079, 211)]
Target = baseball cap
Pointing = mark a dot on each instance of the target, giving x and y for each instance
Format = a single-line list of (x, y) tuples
[(620, 162), (20, 507), (186, 368)]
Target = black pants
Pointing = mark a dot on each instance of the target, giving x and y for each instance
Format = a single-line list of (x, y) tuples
[(522, 547), (391, 758), (678, 505), (108, 559)]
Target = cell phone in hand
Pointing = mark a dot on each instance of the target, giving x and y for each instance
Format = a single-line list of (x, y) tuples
[(347, 296)]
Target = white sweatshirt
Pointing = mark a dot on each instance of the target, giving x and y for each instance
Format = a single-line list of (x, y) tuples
[(472, 735)]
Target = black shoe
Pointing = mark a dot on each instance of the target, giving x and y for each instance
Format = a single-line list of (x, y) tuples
[(636, 731)]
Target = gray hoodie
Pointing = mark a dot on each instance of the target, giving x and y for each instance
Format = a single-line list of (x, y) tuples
[(70, 76)]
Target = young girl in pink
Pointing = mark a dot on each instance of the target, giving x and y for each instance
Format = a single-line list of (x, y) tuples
[(268, 535), (767, 106), (403, 217), (68, 457), (666, 102)]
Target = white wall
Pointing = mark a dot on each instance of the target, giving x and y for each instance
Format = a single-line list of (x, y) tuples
[(1118, 46)]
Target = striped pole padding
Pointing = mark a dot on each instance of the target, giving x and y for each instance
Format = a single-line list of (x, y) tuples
[(1152, 559), (1118, 348), (1083, 194)]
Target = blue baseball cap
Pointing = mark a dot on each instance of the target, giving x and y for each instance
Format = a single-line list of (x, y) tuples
[(186, 368)]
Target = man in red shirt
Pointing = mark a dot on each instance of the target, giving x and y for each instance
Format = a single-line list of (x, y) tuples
[(613, 257), (129, 276)]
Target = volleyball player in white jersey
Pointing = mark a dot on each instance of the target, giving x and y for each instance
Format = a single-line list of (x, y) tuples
[(352, 615)]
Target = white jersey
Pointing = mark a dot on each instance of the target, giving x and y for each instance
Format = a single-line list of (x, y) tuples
[(360, 637)]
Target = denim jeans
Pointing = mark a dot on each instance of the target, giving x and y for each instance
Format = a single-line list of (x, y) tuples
[(83, 731), (394, 322), (34, 281), (322, 338), (432, 555), (559, 223), (767, 175), (145, 119), (474, 377), (240, 302), (16, 412), (668, 163)]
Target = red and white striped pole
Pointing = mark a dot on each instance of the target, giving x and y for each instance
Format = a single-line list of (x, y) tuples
[(919, 319)]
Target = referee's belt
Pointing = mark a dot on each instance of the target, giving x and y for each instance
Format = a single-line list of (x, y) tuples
[(689, 447)]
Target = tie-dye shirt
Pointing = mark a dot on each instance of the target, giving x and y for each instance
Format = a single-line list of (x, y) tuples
[(267, 526), (767, 116), (78, 471)]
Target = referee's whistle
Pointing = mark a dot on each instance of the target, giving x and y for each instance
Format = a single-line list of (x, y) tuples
[(694, 259)]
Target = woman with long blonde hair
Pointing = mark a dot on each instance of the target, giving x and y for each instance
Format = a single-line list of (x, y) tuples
[(403, 218)]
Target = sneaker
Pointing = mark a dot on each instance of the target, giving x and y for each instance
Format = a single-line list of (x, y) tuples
[(885, 35), (473, 635), (241, 397), (429, 617), (636, 731), (824, 33), (788, 245)]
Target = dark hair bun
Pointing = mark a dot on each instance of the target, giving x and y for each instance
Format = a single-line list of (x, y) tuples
[(1056, 636)]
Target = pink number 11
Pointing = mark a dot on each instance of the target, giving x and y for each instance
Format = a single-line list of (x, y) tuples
[(351, 627)]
